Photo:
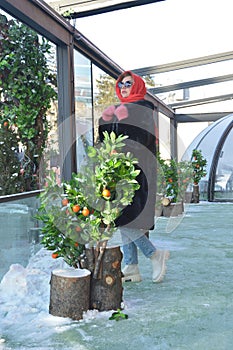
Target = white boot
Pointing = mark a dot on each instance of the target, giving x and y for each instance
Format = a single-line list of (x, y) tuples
[(158, 260), (131, 273)]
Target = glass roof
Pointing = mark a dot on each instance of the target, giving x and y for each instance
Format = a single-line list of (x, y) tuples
[(83, 8)]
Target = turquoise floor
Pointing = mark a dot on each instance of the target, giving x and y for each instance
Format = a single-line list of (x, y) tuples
[(192, 309)]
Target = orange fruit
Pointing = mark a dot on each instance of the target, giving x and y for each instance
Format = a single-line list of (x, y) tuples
[(5, 124), (64, 202), (106, 193), (85, 211), (54, 255), (76, 244), (76, 208)]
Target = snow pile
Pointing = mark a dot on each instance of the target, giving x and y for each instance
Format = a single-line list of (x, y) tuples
[(24, 301)]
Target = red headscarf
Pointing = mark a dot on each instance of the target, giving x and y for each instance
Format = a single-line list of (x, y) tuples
[(137, 92)]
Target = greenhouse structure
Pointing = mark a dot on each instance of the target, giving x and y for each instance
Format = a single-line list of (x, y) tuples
[(215, 143)]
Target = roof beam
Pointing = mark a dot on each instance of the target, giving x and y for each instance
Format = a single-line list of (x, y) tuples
[(200, 117), (194, 62), (206, 100), (190, 84)]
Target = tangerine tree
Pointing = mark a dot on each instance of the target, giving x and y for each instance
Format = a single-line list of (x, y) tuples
[(83, 210), (199, 166)]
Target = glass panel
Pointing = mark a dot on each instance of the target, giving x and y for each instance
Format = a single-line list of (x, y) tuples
[(207, 141), (83, 105), (104, 94), (28, 109), (224, 174), (20, 236), (186, 134), (164, 136)]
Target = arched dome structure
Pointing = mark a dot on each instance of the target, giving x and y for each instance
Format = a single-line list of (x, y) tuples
[(216, 144)]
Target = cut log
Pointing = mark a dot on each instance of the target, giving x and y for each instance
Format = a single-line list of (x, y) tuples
[(188, 197), (196, 194), (106, 289), (165, 201), (69, 292), (174, 209)]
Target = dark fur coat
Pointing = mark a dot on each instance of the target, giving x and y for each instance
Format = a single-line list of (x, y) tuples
[(137, 122)]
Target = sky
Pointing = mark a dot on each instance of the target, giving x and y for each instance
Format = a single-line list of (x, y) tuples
[(162, 32)]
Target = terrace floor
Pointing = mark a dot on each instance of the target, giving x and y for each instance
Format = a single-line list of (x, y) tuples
[(192, 309)]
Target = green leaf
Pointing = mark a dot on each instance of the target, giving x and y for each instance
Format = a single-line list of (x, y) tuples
[(118, 315)]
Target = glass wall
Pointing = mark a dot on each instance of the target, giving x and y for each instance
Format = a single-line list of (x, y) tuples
[(28, 109), (19, 232), (83, 105), (223, 188), (164, 137)]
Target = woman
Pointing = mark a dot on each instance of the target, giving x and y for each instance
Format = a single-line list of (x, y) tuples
[(134, 118)]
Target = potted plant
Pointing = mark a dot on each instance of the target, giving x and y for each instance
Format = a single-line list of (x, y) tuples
[(172, 178), (199, 171), (79, 215)]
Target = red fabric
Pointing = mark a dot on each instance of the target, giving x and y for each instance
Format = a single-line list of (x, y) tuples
[(137, 92)]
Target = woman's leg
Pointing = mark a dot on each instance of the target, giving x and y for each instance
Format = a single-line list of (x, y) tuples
[(130, 255), (130, 251), (131, 239)]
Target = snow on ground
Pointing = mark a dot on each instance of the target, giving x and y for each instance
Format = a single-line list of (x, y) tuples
[(24, 300)]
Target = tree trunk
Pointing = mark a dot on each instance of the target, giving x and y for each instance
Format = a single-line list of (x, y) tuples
[(106, 288), (196, 194), (69, 293)]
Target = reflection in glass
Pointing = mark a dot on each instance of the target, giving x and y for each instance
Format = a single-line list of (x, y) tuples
[(83, 106)]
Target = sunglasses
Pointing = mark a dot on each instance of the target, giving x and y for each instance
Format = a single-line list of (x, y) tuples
[(127, 84)]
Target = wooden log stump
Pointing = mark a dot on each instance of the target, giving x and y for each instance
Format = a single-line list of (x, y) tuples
[(188, 197), (174, 209), (69, 292), (166, 201), (106, 290), (196, 194)]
